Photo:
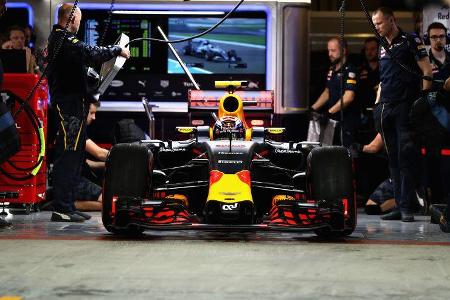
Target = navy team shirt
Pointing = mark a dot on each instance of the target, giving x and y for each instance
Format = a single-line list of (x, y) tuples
[(441, 71), (334, 87), (397, 84)]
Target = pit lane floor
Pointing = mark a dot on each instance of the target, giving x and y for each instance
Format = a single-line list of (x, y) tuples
[(380, 260)]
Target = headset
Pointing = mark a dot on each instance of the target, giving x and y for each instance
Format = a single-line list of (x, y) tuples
[(436, 25)]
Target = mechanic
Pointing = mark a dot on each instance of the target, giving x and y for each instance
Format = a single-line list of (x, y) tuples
[(398, 89), (382, 199), (369, 75), (434, 165), (329, 102), (88, 195), (67, 79)]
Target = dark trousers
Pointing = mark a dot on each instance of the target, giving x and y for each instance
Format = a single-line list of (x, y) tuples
[(392, 121), (350, 128), (69, 153)]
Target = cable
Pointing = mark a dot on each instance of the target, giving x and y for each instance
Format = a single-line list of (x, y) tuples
[(107, 23), (24, 105), (191, 37), (38, 129), (341, 100)]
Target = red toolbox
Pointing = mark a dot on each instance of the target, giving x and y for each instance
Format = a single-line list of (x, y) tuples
[(31, 190)]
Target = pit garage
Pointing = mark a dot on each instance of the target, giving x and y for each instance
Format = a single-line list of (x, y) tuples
[(214, 164)]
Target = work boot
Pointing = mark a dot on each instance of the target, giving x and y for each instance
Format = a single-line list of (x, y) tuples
[(407, 217), (436, 212), (82, 214), (4, 223), (393, 215), (66, 217)]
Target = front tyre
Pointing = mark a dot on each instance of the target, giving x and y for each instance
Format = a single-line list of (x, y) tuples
[(330, 178), (128, 173)]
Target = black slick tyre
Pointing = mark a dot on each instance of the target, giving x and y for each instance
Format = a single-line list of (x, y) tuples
[(128, 173), (330, 178)]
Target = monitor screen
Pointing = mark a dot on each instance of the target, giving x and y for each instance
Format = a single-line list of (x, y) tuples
[(237, 46), (237, 50), (133, 27)]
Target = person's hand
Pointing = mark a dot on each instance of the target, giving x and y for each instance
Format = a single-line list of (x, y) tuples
[(314, 115), (7, 45), (125, 53), (356, 149)]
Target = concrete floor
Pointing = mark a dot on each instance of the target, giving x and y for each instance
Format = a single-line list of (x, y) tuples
[(381, 260)]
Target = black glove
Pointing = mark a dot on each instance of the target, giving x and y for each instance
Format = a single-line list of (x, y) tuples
[(324, 118), (356, 149)]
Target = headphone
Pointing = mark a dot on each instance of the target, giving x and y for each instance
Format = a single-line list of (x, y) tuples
[(436, 25)]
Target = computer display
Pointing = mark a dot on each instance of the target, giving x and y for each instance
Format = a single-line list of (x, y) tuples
[(93, 29)]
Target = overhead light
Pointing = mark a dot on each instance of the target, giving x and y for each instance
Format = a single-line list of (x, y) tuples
[(166, 12)]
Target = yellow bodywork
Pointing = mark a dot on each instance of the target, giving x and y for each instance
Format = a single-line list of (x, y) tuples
[(229, 188)]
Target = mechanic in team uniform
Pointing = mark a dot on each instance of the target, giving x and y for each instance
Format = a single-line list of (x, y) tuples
[(329, 101), (67, 79), (398, 90), (88, 196)]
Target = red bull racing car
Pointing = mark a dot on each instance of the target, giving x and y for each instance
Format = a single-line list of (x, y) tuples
[(229, 176)]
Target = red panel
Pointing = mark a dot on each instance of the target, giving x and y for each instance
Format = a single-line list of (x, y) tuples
[(33, 189)]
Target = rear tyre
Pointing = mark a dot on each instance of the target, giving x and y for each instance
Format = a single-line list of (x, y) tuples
[(128, 173), (330, 177)]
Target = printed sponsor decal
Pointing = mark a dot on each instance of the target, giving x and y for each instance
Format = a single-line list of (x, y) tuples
[(228, 207), (229, 161), (185, 129)]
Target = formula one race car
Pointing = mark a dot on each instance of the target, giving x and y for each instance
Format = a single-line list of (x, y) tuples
[(229, 177), (204, 48)]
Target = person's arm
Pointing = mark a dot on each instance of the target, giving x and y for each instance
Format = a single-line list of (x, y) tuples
[(96, 54), (96, 151), (375, 145), (349, 97), (95, 165), (423, 61), (427, 70), (378, 94), (323, 98)]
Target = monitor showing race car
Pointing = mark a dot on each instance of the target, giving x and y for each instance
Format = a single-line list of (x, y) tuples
[(237, 46)]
